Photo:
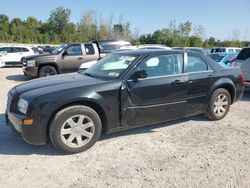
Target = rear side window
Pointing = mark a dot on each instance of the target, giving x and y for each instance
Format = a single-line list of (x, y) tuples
[(196, 64), (89, 49), (244, 54)]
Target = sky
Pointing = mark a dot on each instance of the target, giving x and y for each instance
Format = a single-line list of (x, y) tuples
[(219, 17)]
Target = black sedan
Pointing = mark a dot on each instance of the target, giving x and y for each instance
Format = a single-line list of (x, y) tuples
[(124, 90)]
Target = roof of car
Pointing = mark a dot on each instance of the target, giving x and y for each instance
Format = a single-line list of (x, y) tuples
[(146, 51)]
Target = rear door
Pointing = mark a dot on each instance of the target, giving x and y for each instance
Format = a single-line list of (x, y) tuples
[(14, 54), (159, 97), (200, 79)]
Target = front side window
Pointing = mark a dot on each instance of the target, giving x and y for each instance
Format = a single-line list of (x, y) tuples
[(112, 66), (163, 65), (74, 50), (196, 64)]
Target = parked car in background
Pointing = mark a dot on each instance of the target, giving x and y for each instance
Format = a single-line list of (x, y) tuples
[(243, 60), (223, 58), (107, 46), (124, 90), (194, 49), (12, 55), (63, 59), (48, 49), (87, 65), (227, 49), (35, 49)]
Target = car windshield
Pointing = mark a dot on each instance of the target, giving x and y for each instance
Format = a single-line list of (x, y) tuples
[(111, 66), (58, 50), (217, 57)]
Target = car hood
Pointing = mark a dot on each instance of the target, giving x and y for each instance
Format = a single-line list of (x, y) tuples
[(40, 56), (62, 82)]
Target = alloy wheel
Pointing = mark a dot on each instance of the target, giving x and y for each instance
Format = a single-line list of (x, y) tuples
[(220, 105), (77, 131)]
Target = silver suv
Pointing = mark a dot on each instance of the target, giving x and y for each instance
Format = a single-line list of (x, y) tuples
[(243, 60)]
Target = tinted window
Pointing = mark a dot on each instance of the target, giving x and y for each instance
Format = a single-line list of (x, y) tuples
[(5, 49), (14, 50), (244, 54), (218, 50), (196, 64), (74, 50), (106, 48), (163, 65), (24, 50), (18, 50), (217, 57), (89, 49)]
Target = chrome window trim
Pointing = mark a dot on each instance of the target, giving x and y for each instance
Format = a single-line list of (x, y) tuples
[(156, 105), (184, 74)]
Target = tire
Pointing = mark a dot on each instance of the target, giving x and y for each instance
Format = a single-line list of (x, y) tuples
[(75, 129), (219, 105), (47, 71)]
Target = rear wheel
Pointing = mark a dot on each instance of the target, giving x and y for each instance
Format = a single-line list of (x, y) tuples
[(219, 104), (75, 129), (47, 71)]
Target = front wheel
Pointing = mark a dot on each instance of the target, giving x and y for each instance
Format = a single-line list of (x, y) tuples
[(219, 104), (75, 129), (47, 71)]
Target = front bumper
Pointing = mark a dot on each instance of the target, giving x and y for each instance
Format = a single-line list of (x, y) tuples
[(30, 133), (30, 71)]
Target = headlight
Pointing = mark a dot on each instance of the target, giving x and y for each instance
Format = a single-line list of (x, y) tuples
[(31, 63), (22, 105)]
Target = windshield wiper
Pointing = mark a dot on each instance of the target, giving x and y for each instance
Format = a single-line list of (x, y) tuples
[(88, 74)]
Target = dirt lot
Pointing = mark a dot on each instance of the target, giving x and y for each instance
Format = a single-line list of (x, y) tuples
[(192, 152)]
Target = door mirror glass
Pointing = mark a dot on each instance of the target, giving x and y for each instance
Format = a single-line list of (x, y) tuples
[(139, 74)]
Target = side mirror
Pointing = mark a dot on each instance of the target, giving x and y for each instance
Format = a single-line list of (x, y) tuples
[(139, 74), (64, 53), (227, 62)]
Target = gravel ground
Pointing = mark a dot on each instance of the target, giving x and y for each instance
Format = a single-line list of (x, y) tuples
[(192, 152)]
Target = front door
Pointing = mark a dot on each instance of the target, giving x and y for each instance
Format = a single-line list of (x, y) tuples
[(71, 59), (159, 97)]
